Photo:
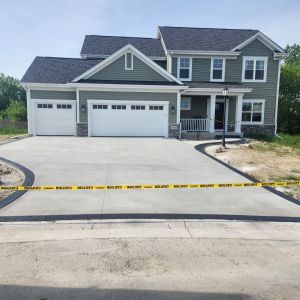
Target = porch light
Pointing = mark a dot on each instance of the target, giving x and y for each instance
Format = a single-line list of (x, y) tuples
[(225, 93), (83, 108), (173, 110)]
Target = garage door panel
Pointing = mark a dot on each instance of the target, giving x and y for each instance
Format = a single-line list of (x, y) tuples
[(134, 119), (55, 118)]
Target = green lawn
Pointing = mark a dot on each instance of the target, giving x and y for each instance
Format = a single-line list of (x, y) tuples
[(279, 145), (12, 131)]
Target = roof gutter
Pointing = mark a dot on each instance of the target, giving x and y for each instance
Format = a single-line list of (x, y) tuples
[(203, 53), (125, 86)]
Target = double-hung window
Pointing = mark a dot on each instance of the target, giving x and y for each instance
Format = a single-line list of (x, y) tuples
[(217, 72), (253, 111), (254, 69), (184, 68)]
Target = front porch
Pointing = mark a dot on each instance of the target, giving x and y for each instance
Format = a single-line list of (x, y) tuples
[(202, 115)]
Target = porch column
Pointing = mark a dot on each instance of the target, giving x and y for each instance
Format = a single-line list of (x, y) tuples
[(178, 107), (211, 113), (238, 113)]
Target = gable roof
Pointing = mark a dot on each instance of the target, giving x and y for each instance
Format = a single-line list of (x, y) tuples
[(99, 45), (57, 69), (203, 39), (128, 48)]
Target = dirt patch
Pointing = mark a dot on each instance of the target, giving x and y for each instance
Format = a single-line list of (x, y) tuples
[(257, 160), (9, 176), (5, 138)]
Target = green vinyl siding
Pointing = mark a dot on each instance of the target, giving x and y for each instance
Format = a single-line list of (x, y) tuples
[(53, 95), (201, 69), (116, 71), (231, 110), (261, 90), (198, 108), (174, 66), (137, 96), (233, 73)]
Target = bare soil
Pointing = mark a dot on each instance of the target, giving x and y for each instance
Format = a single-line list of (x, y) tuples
[(256, 159), (5, 138), (9, 176)]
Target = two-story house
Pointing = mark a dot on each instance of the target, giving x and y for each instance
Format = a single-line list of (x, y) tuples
[(131, 86)]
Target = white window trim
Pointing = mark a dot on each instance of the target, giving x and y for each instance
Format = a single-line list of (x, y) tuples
[(255, 58), (189, 99), (262, 113), (190, 69), (212, 68), (126, 68)]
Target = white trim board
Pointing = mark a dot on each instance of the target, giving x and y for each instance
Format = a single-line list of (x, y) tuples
[(262, 38), (120, 53)]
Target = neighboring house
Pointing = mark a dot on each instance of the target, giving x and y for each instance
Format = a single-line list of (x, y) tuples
[(130, 86)]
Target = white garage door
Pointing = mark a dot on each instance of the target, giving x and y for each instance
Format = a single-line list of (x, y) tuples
[(55, 118), (121, 118)]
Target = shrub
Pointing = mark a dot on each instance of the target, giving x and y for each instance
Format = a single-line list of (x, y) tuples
[(16, 111)]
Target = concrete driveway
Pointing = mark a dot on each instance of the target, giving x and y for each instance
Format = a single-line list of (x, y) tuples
[(88, 161)]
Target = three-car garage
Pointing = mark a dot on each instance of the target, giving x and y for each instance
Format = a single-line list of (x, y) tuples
[(105, 117)]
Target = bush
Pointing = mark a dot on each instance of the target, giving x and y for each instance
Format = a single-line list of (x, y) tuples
[(16, 111)]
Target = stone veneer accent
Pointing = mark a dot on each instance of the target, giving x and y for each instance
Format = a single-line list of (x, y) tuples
[(82, 129), (258, 129)]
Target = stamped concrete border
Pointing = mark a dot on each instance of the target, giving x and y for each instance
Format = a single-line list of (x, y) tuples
[(201, 148), (29, 179)]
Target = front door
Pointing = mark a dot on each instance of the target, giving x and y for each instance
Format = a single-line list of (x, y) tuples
[(219, 114)]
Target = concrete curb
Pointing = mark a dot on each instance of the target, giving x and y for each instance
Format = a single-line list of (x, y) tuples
[(182, 217), (29, 179), (201, 148), (17, 138)]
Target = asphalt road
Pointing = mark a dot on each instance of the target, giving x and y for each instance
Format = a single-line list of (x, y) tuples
[(150, 260)]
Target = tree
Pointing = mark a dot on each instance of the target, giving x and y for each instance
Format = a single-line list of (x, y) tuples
[(16, 111), (10, 89), (293, 57), (289, 96)]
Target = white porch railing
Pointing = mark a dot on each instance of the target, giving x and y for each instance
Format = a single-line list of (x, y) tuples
[(194, 124)]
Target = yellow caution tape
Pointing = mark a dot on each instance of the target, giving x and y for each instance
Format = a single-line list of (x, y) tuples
[(149, 186)]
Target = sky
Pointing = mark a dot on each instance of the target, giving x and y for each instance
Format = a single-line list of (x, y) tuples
[(30, 28)]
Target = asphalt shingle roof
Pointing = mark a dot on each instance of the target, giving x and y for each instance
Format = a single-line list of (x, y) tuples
[(204, 39), (57, 69), (107, 45), (63, 70)]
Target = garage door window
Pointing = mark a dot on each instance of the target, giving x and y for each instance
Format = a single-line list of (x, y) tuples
[(64, 106), (99, 106), (137, 107), (156, 107), (120, 107), (45, 106)]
